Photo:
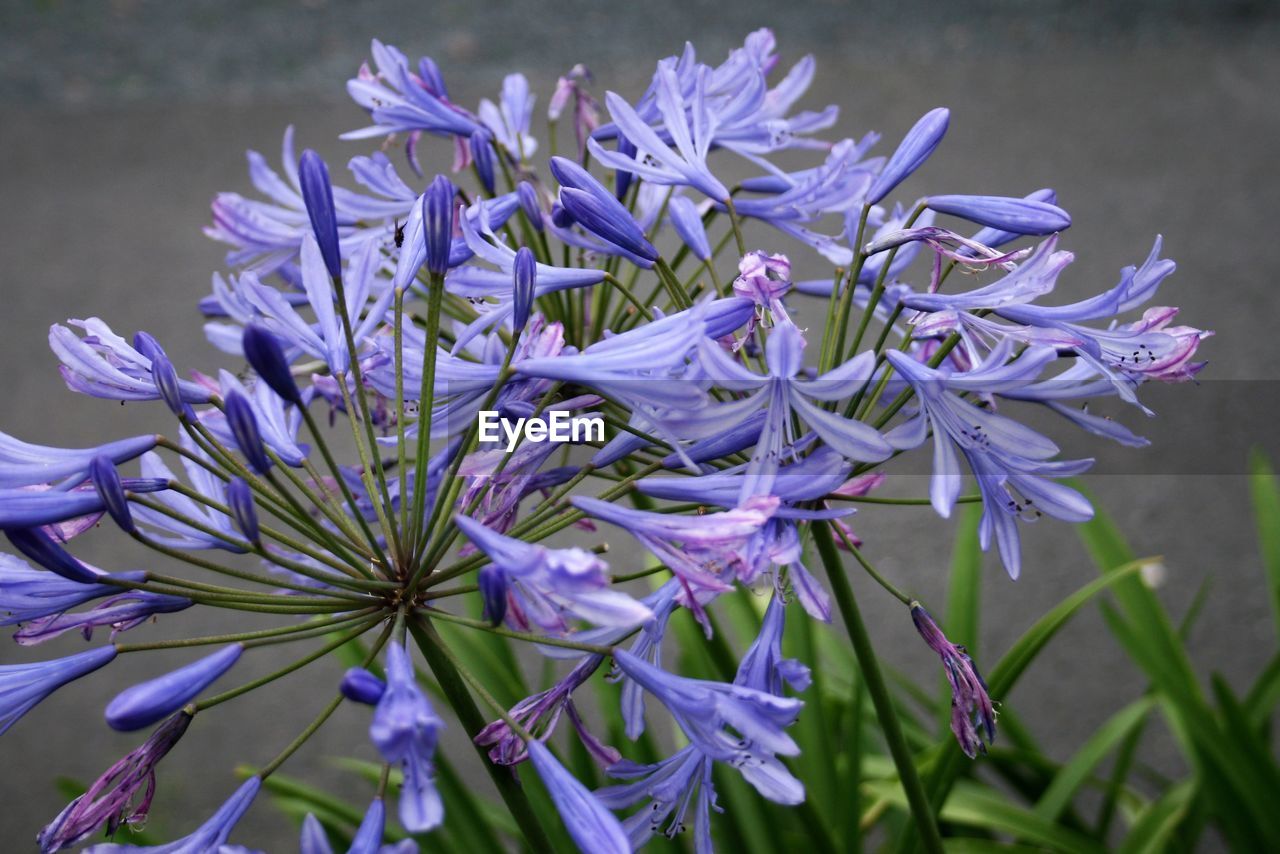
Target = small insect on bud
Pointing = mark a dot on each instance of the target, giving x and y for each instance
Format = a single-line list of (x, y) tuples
[(244, 427), (106, 480), (265, 355), (526, 278), (317, 194)]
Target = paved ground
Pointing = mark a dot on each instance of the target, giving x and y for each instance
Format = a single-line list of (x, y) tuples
[(121, 119)]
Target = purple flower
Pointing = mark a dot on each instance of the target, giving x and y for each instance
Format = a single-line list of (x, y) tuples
[(588, 821), (121, 612), (317, 194), (698, 549), (163, 374), (973, 718), (1021, 216), (398, 100), (147, 702), (912, 152), (735, 724), (28, 508), (539, 714), (25, 464), (120, 797), (22, 686), (546, 586), (530, 204), (361, 686), (1012, 463), (670, 787), (405, 729), (28, 594), (102, 364), (594, 208), (210, 836), (40, 547), (763, 666), (689, 129), (509, 120)]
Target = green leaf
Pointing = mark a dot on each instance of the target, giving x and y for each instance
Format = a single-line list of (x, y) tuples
[(1157, 823), (1076, 772), (1266, 510)]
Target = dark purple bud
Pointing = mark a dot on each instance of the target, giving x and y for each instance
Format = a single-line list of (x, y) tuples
[(240, 497), (148, 702), (40, 548), (106, 480), (244, 427), (1021, 216), (437, 219), (493, 591), (527, 196), (912, 152), (608, 220), (266, 357), (120, 797), (526, 277), (973, 715), (622, 180), (361, 686), (482, 157), (317, 193), (559, 216)]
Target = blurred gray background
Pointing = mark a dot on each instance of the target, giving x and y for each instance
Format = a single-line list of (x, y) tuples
[(121, 119)]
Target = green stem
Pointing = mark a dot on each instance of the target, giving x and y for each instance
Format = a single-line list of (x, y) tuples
[(464, 706), (876, 687)]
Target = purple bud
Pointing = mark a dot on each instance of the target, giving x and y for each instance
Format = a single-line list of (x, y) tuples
[(162, 373), (973, 716), (40, 548), (106, 480), (431, 76), (317, 194), (589, 822), (688, 224), (23, 686), (493, 590), (527, 196), (266, 357), (148, 702), (244, 427), (240, 497), (608, 220), (1021, 216), (361, 686), (482, 157), (526, 277), (622, 179), (559, 216), (437, 219), (995, 237), (912, 152)]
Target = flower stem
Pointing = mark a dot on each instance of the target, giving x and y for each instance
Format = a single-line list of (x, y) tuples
[(876, 687), (464, 706)]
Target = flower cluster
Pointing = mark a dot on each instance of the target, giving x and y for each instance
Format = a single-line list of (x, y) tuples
[(747, 414)]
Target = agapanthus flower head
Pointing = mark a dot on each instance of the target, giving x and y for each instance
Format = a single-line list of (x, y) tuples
[(973, 717)]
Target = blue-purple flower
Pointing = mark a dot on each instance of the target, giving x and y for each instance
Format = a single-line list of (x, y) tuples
[(405, 730), (22, 686)]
